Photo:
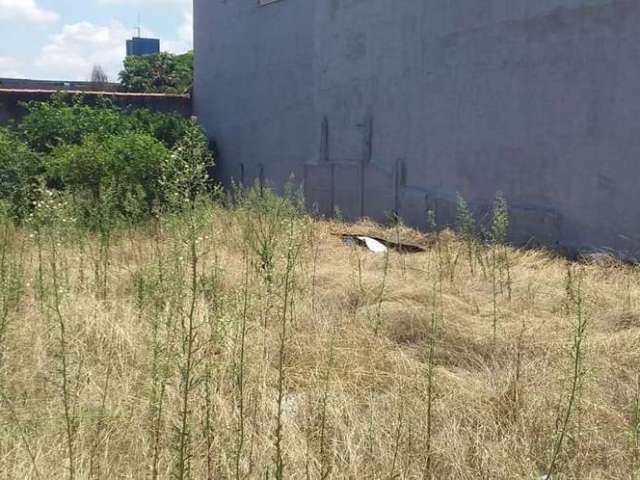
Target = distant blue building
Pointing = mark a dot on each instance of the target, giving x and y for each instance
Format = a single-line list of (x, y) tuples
[(138, 46)]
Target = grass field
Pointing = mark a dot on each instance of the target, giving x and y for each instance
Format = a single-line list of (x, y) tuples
[(253, 343)]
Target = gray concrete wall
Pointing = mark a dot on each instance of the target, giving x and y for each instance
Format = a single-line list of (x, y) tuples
[(383, 106), (255, 90)]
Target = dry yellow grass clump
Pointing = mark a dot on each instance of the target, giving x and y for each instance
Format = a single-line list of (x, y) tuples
[(253, 343)]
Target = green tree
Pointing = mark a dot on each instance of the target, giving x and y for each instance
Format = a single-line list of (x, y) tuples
[(98, 75), (159, 73)]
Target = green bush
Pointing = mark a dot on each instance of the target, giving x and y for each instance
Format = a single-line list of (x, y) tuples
[(112, 163), (68, 120), (123, 172), (20, 169), (186, 171), (166, 127)]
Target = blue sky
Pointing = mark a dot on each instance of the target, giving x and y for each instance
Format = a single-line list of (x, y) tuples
[(64, 39)]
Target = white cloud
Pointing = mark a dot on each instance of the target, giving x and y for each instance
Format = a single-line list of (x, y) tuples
[(185, 32), (184, 41), (72, 53), (188, 3), (9, 68), (26, 10), (184, 36)]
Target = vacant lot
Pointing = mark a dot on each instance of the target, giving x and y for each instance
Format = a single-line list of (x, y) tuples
[(253, 343)]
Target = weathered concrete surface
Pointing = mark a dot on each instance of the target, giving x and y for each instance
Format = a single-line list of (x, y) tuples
[(381, 106), (11, 100)]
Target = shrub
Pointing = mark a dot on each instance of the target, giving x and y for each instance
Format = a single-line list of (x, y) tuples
[(68, 120), (123, 171), (186, 171), (19, 172), (114, 163), (500, 223), (167, 127)]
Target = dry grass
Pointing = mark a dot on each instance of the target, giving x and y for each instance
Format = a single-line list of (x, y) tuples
[(352, 403)]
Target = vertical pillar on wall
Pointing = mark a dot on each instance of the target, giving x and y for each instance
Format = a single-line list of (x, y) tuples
[(324, 140), (366, 159), (333, 188), (261, 178), (430, 213), (368, 138), (400, 177)]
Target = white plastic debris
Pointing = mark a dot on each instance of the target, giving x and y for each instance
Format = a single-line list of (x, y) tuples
[(373, 245), (379, 245)]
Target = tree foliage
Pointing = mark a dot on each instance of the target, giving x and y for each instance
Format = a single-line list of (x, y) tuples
[(105, 159), (67, 120), (158, 73), (123, 170)]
